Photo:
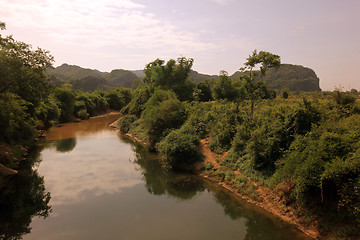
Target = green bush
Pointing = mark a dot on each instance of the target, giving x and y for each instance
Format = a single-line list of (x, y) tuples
[(324, 165), (82, 114), (66, 99), (226, 118), (163, 116), (15, 123), (208, 166), (115, 99), (125, 122), (223, 88), (48, 112), (136, 105), (179, 149)]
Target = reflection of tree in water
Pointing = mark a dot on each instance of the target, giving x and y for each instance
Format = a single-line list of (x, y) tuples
[(62, 145), (160, 181), (259, 226), (21, 198), (65, 145)]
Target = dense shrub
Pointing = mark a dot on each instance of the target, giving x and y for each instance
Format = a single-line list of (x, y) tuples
[(163, 116), (82, 114), (115, 99), (260, 141), (15, 122), (203, 92), (48, 112), (136, 105), (179, 148), (125, 122), (66, 99), (223, 88), (324, 164), (226, 118)]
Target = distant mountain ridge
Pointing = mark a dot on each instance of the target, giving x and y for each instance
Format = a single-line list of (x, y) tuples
[(290, 77), (287, 76), (91, 79)]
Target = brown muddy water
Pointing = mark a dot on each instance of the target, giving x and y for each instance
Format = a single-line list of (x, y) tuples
[(104, 186)]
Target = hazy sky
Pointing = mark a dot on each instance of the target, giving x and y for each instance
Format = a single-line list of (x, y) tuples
[(219, 34)]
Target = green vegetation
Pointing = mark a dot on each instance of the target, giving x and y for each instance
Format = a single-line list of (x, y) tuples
[(308, 142), (29, 102), (179, 148), (286, 76), (90, 80)]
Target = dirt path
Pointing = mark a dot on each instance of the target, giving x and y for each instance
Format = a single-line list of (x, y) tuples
[(270, 200)]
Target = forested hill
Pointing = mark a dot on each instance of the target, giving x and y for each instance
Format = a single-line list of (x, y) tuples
[(291, 77), (199, 77), (90, 80), (287, 76)]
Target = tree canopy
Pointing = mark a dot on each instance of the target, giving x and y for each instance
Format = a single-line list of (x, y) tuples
[(266, 60), (23, 69), (171, 76)]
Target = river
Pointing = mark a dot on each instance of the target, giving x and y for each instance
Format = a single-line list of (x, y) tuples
[(105, 186)]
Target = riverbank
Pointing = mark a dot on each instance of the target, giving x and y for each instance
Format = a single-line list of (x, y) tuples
[(264, 197), (10, 155)]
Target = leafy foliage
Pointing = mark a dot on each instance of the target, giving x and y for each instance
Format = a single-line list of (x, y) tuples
[(203, 92), (141, 95), (223, 129), (15, 122), (171, 76), (66, 98), (163, 112), (125, 122), (223, 88), (23, 70), (179, 148), (288, 76)]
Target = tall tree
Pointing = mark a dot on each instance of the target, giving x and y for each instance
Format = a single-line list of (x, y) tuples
[(22, 70), (171, 76), (223, 88), (266, 60)]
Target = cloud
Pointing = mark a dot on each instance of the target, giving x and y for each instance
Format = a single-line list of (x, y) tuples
[(70, 176), (119, 27), (220, 2)]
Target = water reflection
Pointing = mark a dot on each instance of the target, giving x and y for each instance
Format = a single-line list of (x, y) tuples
[(259, 225), (103, 188), (22, 197), (184, 186), (98, 165), (94, 127), (65, 145), (160, 181)]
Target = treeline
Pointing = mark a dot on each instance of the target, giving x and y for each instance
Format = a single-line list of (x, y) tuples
[(286, 77), (304, 146)]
